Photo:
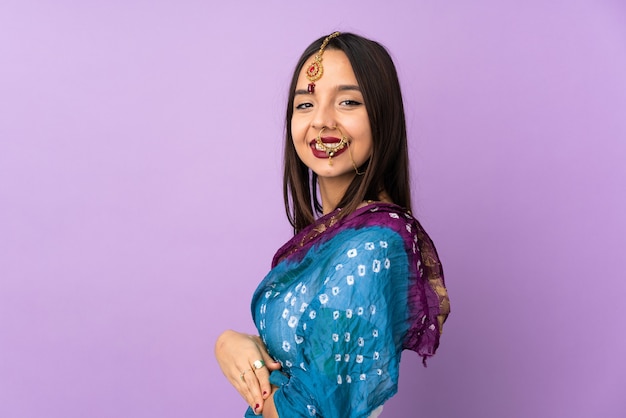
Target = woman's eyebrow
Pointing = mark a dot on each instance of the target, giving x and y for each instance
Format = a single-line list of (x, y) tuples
[(343, 87), (346, 87)]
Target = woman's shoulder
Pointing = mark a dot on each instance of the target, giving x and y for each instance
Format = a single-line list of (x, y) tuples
[(373, 218), (383, 215)]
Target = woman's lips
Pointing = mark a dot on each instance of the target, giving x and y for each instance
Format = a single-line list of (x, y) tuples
[(319, 152)]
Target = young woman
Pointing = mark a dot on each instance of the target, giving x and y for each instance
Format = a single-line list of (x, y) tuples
[(360, 281)]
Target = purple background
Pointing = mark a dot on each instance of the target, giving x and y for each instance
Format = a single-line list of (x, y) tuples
[(140, 197)]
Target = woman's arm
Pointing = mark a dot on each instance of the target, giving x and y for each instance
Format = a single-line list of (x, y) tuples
[(236, 353)]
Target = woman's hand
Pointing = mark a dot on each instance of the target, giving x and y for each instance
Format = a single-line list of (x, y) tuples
[(236, 354)]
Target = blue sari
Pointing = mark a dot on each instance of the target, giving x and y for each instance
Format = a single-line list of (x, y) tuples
[(344, 297)]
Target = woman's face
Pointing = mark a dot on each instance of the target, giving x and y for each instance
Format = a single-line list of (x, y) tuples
[(337, 106)]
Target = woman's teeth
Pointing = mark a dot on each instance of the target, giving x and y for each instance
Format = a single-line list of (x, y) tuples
[(325, 147)]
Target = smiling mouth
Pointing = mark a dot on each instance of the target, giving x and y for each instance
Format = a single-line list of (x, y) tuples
[(330, 146)]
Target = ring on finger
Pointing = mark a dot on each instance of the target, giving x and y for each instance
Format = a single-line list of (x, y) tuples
[(258, 364), (241, 376)]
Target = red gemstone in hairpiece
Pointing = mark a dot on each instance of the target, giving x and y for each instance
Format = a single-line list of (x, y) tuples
[(314, 70), (311, 88)]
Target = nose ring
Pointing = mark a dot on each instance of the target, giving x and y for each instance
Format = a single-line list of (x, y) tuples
[(331, 148)]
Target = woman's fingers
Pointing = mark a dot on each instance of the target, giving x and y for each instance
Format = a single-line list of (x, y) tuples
[(253, 382), (260, 388), (250, 390), (270, 363), (245, 361), (268, 366), (263, 374), (263, 378), (256, 392)]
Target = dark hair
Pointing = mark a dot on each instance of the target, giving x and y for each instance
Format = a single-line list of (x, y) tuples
[(387, 170)]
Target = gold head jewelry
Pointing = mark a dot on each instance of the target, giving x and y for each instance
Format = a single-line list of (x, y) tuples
[(331, 148), (316, 70)]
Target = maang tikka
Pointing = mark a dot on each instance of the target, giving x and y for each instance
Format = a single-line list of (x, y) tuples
[(316, 70)]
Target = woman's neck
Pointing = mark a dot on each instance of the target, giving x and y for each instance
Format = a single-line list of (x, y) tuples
[(332, 190)]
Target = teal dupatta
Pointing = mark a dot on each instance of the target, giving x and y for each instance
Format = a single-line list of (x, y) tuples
[(344, 297)]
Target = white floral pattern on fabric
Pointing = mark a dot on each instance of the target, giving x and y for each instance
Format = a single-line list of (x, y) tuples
[(339, 320), (340, 304)]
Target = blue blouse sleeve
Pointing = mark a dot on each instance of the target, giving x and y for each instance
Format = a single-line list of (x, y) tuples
[(352, 331)]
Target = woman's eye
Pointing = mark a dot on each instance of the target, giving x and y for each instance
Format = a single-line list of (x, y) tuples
[(350, 103), (303, 106)]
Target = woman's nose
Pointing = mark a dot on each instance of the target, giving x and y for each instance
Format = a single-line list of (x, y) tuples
[(324, 116)]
